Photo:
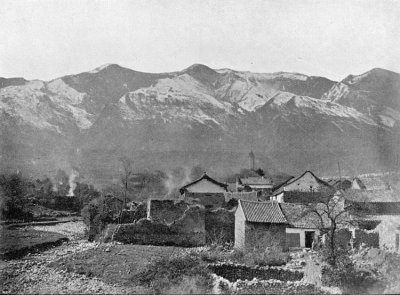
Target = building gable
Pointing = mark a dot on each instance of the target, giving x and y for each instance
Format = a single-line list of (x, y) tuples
[(205, 184), (307, 182), (262, 212)]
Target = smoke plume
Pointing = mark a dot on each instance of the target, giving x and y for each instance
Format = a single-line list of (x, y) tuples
[(71, 181)]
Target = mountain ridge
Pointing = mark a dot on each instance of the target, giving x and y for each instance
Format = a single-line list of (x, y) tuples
[(292, 121)]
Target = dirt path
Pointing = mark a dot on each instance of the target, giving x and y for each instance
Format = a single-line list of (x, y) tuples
[(32, 274)]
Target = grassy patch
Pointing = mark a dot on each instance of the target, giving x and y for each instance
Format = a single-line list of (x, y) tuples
[(178, 273), (17, 243), (251, 258), (114, 264)]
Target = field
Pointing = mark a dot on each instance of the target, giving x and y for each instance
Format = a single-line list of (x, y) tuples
[(18, 242), (79, 266), (114, 264), (76, 266)]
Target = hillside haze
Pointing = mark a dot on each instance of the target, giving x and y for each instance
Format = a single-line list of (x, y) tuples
[(199, 116)]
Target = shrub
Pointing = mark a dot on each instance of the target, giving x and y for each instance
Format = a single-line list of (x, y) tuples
[(257, 258), (270, 258), (237, 255), (169, 273), (347, 277), (14, 196), (100, 212)]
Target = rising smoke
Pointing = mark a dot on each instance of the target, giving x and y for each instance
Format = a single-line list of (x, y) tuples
[(177, 178), (71, 181)]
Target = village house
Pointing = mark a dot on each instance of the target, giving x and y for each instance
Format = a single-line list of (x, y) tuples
[(304, 227), (261, 184), (307, 188), (370, 183), (245, 196), (339, 184), (259, 225), (380, 220), (206, 191)]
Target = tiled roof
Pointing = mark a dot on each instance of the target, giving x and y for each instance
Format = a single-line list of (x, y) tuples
[(256, 181), (304, 197), (378, 208), (301, 216), (264, 212), (280, 188), (231, 186), (374, 183), (371, 196), (206, 177), (246, 196), (339, 184)]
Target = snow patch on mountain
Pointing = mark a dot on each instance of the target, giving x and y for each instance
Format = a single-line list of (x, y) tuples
[(354, 79), (322, 107), (134, 107), (338, 91), (182, 89), (82, 118), (27, 103), (98, 69), (281, 98), (41, 104), (62, 90), (264, 76)]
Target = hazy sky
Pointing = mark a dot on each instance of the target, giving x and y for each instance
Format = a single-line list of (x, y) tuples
[(46, 39)]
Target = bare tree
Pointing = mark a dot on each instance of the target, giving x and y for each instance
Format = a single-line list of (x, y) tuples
[(127, 166), (334, 213)]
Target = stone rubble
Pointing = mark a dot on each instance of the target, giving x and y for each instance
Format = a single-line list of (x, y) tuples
[(34, 275)]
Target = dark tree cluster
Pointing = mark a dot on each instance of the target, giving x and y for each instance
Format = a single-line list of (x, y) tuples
[(19, 195)]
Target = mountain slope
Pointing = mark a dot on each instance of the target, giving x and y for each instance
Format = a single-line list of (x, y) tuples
[(199, 116), (376, 93)]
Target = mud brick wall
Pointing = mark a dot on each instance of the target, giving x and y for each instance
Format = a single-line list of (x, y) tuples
[(370, 239), (259, 236), (342, 237), (138, 212), (234, 272), (208, 200), (166, 211), (220, 226), (187, 231), (388, 229)]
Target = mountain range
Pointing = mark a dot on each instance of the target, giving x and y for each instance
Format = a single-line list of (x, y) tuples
[(202, 117)]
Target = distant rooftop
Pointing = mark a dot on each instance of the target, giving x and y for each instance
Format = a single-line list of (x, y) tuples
[(256, 181), (263, 212)]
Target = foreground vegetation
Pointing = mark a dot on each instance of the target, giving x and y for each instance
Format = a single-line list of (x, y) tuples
[(19, 242)]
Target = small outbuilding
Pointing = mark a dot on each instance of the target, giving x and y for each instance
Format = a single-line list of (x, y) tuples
[(259, 225), (206, 191), (307, 188), (303, 225), (254, 184)]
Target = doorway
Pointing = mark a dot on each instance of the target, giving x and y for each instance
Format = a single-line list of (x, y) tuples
[(309, 236)]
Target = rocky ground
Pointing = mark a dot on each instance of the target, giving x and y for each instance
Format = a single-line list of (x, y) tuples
[(33, 273)]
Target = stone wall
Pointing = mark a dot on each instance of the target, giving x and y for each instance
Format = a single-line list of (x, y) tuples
[(240, 232), (343, 237), (247, 196), (388, 229), (220, 226), (259, 236), (187, 231), (234, 272), (208, 200), (369, 238), (166, 211), (135, 213)]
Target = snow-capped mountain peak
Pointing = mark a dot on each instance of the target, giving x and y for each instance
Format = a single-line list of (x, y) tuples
[(203, 111)]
